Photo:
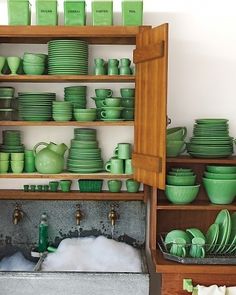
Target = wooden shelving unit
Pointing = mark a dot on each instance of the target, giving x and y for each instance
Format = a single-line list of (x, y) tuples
[(69, 123), (73, 195)]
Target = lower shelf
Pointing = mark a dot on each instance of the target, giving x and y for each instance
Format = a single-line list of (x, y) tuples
[(166, 266), (73, 195)]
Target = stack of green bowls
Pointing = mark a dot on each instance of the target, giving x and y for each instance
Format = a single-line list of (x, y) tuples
[(175, 144), (34, 63), (76, 95), (67, 57), (84, 153), (35, 106), (6, 100), (85, 114), (62, 110), (181, 187), (11, 142), (210, 139), (220, 184)]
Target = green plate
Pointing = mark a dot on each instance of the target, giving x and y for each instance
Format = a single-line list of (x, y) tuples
[(207, 156), (211, 121), (38, 93), (212, 236), (89, 170), (232, 238), (224, 220)]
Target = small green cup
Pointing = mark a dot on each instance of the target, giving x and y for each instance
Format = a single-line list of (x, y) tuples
[(13, 63), (17, 166), (32, 187), (197, 249), (45, 187), (111, 114), (102, 92), (4, 166), (132, 185), (26, 187), (178, 247), (123, 151), (4, 156), (17, 156), (65, 185), (115, 166), (111, 102), (114, 185), (127, 92), (39, 188), (53, 186)]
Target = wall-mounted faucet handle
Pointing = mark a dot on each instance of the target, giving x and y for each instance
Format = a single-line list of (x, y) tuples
[(113, 216), (78, 215), (17, 214)]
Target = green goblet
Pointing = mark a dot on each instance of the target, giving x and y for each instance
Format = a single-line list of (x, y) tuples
[(2, 62), (13, 63)]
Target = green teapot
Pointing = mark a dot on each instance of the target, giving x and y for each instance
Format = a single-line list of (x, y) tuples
[(50, 160)]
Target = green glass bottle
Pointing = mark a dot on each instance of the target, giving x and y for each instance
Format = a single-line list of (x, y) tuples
[(43, 234)]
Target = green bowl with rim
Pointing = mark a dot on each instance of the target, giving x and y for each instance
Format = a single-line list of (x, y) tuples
[(181, 195), (221, 169)]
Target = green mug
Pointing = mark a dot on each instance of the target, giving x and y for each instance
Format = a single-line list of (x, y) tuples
[(178, 247), (65, 185), (4, 166), (197, 249), (4, 156), (115, 166), (123, 151), (127, 92), (53, 186), (111, 114), (111, 102), (132, 185), (128, 166), (114, 185), (102, 92)]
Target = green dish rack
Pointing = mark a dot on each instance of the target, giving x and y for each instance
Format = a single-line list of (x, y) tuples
[(102, 12), (46, 13), (19, 12), (132, 12), (74, 13)]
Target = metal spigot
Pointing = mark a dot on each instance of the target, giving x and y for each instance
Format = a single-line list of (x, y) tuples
[(78, 215), (113, 216), (17, 214)]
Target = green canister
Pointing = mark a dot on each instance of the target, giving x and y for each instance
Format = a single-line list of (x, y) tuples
[(19, 13), (132, 12), (102, 12), (46, 13), (74, 13)]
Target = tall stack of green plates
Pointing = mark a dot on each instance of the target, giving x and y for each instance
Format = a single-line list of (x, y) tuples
[(84, 153), (76, 95), (35, 106), (67, 57), (11, 142), (210, 139)]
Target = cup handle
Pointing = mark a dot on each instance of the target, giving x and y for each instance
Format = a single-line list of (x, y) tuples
[(103, 103), (108, 166), (184, 148), (185, 132), (37, 145), (115, 152), (103, 114), (110, 93), (203, 252)]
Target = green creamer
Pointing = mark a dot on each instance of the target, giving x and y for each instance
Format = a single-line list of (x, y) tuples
[(74, 13), (102, 12), (132, 12), (19, 13), (46, 12)]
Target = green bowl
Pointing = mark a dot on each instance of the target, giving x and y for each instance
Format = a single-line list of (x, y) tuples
[(178, 169), (181, 195), (34, 70), (219, 175), (175, 148), (34, 58), (181, 180), (85, 111), (176, 133), (177, 233), (85, 116), (221, 169), (220, 191)]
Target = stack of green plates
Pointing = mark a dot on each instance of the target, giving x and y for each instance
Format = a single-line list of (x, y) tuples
[(84, 153), (211, 139), (62, 110), (77, 95), (11, 142), (221, 235), (35, 106), (67, 57)]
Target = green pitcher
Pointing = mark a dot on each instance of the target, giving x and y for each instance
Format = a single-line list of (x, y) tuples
[(50, 160)]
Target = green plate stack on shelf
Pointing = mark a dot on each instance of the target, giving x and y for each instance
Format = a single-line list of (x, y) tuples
[(11, 142), (76, 95), (35, 106), (211, 139), (84, 153), (67, 57)]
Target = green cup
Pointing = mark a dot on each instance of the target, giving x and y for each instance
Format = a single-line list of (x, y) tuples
[(102, 92), (4, 165), (17, 166), (178, 247), (111, 102), (17, 156), (127, 102), (111, 114), (132, 185), (197, 249), (65, 185), (39, 188), (128, 114), (45, 187), (127, 92), (26, 187), (128, 166), (53, 186), (115, 166), (114, 185), (13, 63), (123, 151), (4, 156), (32, 187)]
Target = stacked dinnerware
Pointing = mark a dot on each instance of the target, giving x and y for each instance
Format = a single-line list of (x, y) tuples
[(181, 187), (35, 106), (210, 139), (127, 101), (67, 57), (85, 114), (6, 101), (84, 153), (220, 184), (175, 144), (34, 63), (62, 110), (76, 95), (100, 95), (11, 142)]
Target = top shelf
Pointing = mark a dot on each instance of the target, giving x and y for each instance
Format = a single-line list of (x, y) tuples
[(124, 35)]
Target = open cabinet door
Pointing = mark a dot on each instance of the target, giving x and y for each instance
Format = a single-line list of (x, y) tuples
[(150, 57)]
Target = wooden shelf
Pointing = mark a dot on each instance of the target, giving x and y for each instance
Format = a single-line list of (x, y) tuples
[(67, 175), (189, 160), (69, 123), (67, 78), (166, 266), (195, 206), (73, 195), (92, 34)]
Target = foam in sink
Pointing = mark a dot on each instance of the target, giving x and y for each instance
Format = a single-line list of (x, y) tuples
[(16, 262)]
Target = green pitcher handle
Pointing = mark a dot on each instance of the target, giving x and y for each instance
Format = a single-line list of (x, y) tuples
[(37, 145), (185, 132)]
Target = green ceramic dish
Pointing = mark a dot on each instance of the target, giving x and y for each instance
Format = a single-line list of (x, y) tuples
[(181, 195)]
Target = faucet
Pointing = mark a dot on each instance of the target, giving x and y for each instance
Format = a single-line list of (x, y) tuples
[(113, 215), (78, 215), (17, 214)]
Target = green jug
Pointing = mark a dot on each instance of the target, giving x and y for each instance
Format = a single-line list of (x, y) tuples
[(50, 160)]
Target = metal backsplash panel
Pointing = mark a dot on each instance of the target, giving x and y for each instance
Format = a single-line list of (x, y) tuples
[(130, 227)]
